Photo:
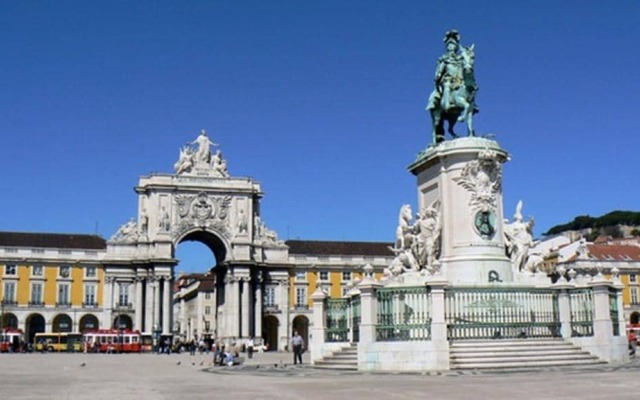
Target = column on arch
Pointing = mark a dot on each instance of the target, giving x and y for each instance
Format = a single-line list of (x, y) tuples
[(257, 312), (246, 314), (156, 303), (148, 305), (167, 294), (231, 297), (139, 304), (283, 304)]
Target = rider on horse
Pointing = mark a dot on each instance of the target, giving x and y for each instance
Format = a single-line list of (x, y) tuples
[(448, 73), (453, 99)]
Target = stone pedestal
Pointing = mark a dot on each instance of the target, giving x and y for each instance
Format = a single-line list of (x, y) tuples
[(317, 331), (462, 179)]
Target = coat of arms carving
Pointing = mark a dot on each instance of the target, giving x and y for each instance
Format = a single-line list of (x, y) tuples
[(202, 211)]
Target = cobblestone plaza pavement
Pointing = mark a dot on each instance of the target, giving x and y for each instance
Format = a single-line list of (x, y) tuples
[(271, 376)]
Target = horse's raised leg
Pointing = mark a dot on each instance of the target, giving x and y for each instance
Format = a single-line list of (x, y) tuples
[(470, 130), (451, 119), (466, 106), (438, 131)]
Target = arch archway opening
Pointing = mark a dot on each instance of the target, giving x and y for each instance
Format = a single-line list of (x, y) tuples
[(634, 318), (34, 324), (199, 251), (122, 321), (62, 323), (9, 320), (270, 326), (89, 322)]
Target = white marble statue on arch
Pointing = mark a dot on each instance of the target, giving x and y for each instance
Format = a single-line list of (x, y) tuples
[(196, 158)]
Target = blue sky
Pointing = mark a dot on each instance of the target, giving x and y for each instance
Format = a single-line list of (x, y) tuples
[(320, 101)]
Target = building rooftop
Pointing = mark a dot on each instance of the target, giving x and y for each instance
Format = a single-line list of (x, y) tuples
[(326, 248), (52, 240), (614, 252)]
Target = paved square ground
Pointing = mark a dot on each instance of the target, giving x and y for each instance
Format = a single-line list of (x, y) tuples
[(271, 376)]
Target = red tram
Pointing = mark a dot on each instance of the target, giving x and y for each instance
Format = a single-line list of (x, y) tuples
[(112, 341), (11, 339)]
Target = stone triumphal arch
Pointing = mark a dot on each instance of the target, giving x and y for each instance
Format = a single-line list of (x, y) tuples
[(201, 202)]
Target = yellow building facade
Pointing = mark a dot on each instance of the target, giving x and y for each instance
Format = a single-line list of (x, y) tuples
[(52, 283)]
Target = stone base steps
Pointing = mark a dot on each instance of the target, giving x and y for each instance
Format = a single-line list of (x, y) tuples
[(345, 359), (518, 353)]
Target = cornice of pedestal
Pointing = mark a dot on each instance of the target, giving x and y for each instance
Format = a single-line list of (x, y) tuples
[(470, 144)]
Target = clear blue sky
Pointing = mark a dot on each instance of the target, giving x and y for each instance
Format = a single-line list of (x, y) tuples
[(320, 101)]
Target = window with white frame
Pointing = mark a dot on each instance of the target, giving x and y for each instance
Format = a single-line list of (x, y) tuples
[(324, 275), (345, 290), (64, 271), (90, 272), (90, 295), (36, 293), (9, 292), (634, 295), (207, 310), (301, 275), (346, 276), (207, 326), (37, 270), (207, 296), (301, 296), (123, 294), (10, 270), (269, 296), (63, 293), (632, 278)]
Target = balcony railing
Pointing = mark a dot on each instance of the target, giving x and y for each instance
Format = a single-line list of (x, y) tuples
[(36, 304), (63, 304), (301, 307), (271, 308), (124, 306), (91, 304), (9, 303)]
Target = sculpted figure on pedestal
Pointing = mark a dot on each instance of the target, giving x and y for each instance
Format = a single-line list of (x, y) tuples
[(417, 245), (427, 237), (265, 235), (242, 223), (185, 162), (144, 223), (203, 153), (219, 165), (453, 99), (403, 262), (518, 238), (196, 158), (165, 221), (403, 231), (126, 233)]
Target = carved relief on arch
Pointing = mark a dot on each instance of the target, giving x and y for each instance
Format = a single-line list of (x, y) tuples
[(203, 211)]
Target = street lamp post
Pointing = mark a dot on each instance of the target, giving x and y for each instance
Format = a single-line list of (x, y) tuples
[(2, 313)]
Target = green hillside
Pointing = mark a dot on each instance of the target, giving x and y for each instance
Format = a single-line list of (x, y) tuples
[(603, 223)]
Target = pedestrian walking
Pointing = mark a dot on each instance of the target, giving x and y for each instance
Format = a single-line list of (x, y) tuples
[(249, 346), (298, 344)]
